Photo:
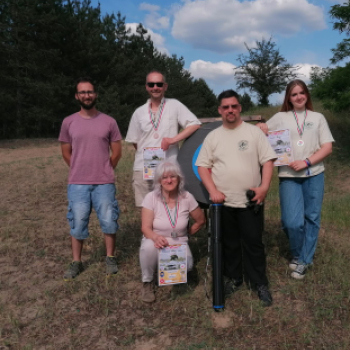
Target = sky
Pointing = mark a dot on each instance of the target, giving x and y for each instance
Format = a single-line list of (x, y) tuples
[(210, 34)]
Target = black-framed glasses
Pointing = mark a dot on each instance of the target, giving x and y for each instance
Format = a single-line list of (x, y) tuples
[(226, 107), (151, 85), (89, 93)]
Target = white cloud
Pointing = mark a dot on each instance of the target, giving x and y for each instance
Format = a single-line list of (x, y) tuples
[(158, 40), (216, 72), (153, 19), (149, 7), (225, 25), (305, 70)]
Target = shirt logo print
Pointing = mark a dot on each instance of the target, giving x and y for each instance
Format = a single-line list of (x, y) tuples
[(309, 125), (243, 145)]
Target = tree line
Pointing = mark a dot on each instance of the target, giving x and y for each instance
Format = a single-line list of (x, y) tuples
[(332, 84), (45, 45)]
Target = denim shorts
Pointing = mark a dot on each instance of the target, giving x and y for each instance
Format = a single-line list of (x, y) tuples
[(82, 198)]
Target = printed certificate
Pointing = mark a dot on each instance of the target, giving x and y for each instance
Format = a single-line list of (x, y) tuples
[(280, 142), (151, 158), (172, 264)]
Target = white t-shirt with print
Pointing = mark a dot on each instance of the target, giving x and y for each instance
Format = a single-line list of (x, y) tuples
[(142, 133)]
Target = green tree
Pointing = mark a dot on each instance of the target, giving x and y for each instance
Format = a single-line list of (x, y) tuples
[(246, 102), (332, 86), (342, 14), (46, 44), (264, 70)]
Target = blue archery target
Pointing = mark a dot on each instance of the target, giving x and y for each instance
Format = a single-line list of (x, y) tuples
[(187, 159), (194, 159)]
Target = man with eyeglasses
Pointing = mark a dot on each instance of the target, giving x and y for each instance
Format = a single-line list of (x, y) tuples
[(156, 124), (240, 159), (91, 147)]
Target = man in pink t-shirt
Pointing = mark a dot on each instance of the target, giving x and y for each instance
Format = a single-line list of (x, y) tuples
[(91, 147)]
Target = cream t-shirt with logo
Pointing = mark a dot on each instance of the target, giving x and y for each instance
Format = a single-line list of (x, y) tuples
[(316, 133), (235, 157)]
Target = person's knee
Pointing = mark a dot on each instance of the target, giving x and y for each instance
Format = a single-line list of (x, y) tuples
[(148, 249), (292, 225), (107, 211)]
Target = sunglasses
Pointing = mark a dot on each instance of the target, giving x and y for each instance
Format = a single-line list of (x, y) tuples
[(226, 107), (151, 85)]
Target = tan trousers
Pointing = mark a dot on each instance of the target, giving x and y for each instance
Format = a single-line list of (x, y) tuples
[(141, 187)]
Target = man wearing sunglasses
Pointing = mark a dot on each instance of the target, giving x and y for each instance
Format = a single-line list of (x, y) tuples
[(156, 124), (235, 153), (91, 147)]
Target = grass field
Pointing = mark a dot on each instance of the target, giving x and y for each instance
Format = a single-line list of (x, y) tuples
[(38, 310)]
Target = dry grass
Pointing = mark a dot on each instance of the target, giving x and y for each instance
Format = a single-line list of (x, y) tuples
[(40, 311)]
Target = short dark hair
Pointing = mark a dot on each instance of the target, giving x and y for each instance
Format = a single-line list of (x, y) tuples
[(85, 80), (156, 71), (228, 94), (287, 105)]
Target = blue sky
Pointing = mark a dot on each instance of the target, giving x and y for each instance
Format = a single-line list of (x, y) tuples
[(210, 34)]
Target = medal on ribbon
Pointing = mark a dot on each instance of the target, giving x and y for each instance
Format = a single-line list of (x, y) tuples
[(172, 221), (156, 117), (300, 142)]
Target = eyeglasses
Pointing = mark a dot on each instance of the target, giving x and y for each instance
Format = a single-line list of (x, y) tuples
[(90, 93), (226, 107), (151, 85)]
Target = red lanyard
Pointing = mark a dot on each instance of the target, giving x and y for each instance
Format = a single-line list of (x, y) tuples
[(156, 123), (172, 221)]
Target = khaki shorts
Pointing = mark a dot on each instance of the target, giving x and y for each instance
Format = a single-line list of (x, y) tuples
[(141, 187)]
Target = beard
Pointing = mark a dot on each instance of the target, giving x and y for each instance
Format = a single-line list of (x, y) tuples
[(88, 106)]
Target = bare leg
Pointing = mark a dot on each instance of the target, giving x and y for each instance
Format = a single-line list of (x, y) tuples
[(110, 244), (77, 247)]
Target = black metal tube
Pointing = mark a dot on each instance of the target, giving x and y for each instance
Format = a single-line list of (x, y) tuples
[(218, 290)]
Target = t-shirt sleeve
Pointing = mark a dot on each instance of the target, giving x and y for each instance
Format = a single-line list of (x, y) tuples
[(273, 123), (325, 132), (186, 117), (192, 203), (115, 132), (266, 152), (205, 156), (134, 133), (148, 201), (64, 133)]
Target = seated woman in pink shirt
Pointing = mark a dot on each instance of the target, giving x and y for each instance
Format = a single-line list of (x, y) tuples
[(165, 214)]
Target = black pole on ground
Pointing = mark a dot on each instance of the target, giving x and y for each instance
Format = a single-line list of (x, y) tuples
[(218, 290)]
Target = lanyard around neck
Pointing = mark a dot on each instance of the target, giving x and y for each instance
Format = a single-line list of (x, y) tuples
[(173, 221), (158, 115), (300, 131)]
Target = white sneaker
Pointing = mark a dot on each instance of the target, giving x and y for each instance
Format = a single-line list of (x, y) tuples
[(299, 272), (293, 264)]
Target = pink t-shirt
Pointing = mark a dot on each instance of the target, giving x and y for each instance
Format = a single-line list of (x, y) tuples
[(161, 223), (90, 139)]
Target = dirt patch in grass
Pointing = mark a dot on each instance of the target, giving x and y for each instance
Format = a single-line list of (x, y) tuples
[(38, 310)]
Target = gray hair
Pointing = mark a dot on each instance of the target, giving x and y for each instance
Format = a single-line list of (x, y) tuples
[(168, 166)]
